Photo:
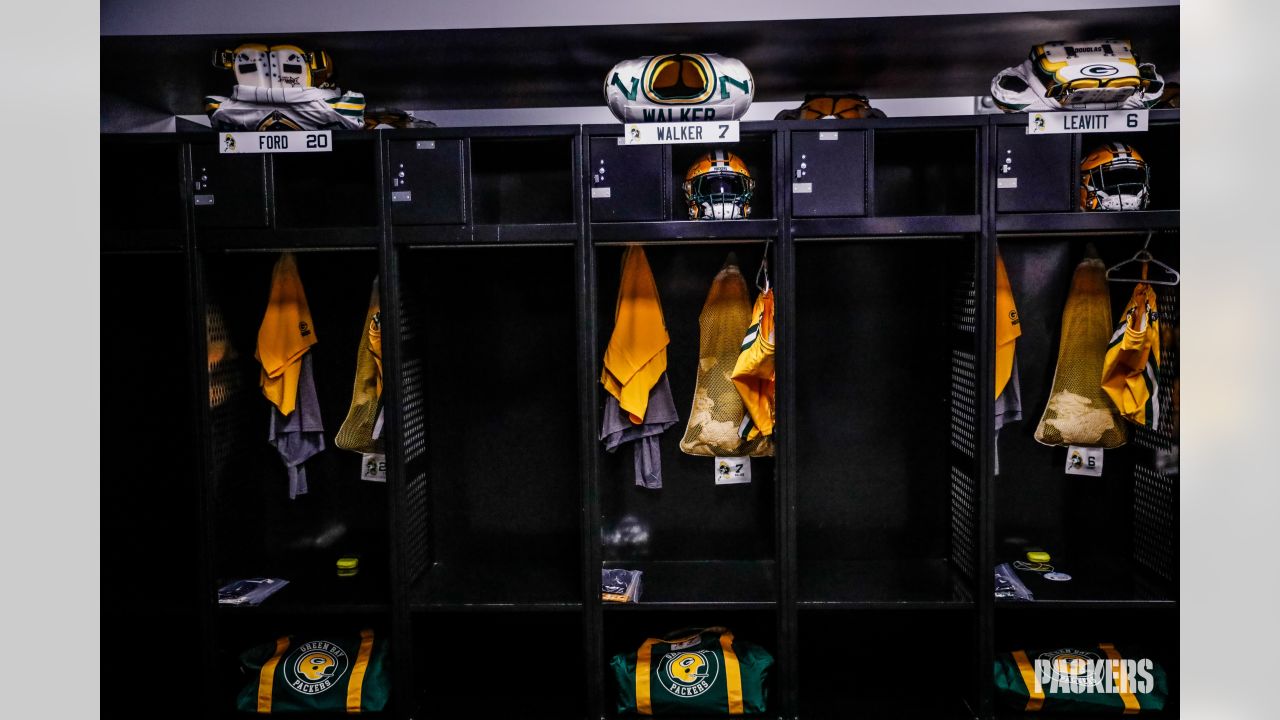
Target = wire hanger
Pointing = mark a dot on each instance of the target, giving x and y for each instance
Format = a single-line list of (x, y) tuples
[(1145, 257), (764, 268)]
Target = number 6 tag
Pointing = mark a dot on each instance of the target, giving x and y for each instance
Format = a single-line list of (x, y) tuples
[(1084, 461)]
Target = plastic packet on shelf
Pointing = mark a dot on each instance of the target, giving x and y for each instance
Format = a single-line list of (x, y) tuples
[(618, 585), (1009, 586)]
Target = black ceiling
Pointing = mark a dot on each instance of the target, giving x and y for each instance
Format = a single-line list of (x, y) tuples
[(145, 78)]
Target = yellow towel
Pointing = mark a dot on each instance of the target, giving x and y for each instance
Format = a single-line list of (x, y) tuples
[(1007, 326), (637, 352), (1130, 373), (356, 432), (753, 374), (1078, 411), (285, 335)]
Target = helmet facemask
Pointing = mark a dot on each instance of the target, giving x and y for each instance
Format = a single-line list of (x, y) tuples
[(723, 195)]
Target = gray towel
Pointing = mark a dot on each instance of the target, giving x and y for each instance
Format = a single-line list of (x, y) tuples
[(617, 429), (1008, 407), (299, 435)]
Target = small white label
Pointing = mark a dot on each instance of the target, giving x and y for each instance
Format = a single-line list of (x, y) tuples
[(801, 188), (680, 133), (425, 145), (1086, 121), (290, 141), (373, 467), (829, 135), (1084, 461), (733, 470), (1006, 183), (600, 192)]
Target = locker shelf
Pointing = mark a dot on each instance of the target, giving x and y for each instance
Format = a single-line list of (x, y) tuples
[(669, 584), (509, 586), (899, 583), (683, 230), (1071, 222)]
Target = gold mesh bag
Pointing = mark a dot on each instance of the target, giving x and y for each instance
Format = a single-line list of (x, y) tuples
[(718, 412), (1078, 411), (356, 432)]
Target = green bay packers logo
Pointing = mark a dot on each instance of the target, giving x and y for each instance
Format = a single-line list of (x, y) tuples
[(688, 674), (315, 667)]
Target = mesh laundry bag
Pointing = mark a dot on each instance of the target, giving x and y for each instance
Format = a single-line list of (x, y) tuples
[(718, 411), (1078, 411), (357, 431)]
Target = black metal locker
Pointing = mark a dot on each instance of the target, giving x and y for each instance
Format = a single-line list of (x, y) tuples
[(426, 182), (626, 181), (828, 173)]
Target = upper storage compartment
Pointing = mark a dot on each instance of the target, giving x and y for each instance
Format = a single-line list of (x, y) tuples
[(426, 181), (140, 180), (333, 189), (644, 183), (288, 190), (926, 171), (829, 173), (902, 168), (522, 180), (1041, 173)]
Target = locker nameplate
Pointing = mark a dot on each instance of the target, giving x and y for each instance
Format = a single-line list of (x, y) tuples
[(1006, 183), (829, 135), (290, 141), (202, 200), (679, 133), (801, 188), (402, 196), (1086, 121), (425, 145), (601, 192)]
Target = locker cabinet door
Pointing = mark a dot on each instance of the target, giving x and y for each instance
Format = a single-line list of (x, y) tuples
[(426, 182), (1033, 172), (828, 173), (626, 181), (228, 190)]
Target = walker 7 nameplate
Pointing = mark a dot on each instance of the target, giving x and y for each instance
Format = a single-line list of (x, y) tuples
[(680, 132), (290, 141)]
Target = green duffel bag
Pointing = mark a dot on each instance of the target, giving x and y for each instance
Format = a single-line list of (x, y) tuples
[(1094, 679), (702, 672), (330, 674)]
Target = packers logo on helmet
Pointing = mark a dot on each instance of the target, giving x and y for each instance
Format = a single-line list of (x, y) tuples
[(314, 667), (689, 668), (1114, 177), (832, 106), (718, 186)]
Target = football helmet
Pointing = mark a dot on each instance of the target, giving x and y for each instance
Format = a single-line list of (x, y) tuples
[(1114, 177), (718, 186), (832, 106)]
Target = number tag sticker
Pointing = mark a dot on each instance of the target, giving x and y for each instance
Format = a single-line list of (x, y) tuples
[(373, 467), (288, 141), (677, 133), (1084, 461), (733, 470)]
